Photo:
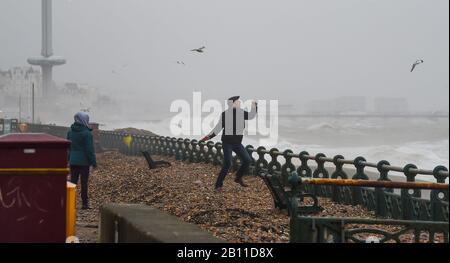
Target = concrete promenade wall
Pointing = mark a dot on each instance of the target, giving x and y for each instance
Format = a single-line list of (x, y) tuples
[(137, 223)]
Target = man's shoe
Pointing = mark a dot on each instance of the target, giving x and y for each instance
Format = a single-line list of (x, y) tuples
[(85, 207), (241, 182), (218, 190)]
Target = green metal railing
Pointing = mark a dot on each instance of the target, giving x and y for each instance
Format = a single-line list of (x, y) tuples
[(405, 204), (359, 230)]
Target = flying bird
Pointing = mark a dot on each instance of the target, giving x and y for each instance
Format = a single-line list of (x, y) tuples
[(419, 61), (181, 63), (199, 50)]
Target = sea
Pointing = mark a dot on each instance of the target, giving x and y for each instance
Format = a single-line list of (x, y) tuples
[(423, 141)]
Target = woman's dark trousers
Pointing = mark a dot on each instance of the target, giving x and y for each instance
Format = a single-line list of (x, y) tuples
[(83, 171)]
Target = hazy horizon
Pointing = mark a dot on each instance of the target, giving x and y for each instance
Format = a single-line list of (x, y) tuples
[(293, 51)]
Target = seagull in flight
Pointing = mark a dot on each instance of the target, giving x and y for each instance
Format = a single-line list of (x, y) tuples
[(181, 63), (199, 50), (419, 61)]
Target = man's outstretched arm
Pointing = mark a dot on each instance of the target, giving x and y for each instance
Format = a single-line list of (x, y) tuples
[(250, 115), (215, 131)]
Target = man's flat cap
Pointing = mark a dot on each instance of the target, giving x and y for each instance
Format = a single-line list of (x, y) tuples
[(234, 98)]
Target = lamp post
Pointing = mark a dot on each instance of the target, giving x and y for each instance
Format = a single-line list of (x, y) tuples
[(20, 107), (32, 103)]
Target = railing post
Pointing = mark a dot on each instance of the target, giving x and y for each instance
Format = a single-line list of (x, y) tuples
[(195, 152), (261, 163), (292, 202), (287, 168), (408, 194), (380, 196), (357, 196), (209, 155), (168, 146), (162, 150), (180, 151), (251, 168), (321, 172), (304, 170), (202, 152), (437, 197), (122, 146), (173, 146), (187, 150), (135, 144), (218, 158), (338, 173), (274, 165)]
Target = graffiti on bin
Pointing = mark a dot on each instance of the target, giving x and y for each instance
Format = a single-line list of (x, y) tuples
[(13, 195)]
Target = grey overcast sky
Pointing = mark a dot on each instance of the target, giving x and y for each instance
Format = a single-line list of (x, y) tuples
[(295, 51)]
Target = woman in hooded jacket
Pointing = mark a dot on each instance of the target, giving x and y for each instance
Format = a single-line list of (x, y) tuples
[(82, 154)]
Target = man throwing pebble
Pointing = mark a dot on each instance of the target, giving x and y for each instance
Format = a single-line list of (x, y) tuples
[(232, 122)]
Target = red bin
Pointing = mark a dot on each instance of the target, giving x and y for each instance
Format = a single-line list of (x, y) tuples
[(33, 175)]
